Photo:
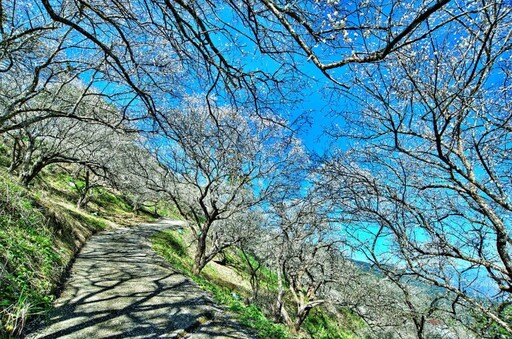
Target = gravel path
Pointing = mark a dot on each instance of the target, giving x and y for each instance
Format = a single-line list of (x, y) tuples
[(119, 288)]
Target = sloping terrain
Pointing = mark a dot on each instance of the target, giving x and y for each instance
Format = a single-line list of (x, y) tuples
[(119, 287)]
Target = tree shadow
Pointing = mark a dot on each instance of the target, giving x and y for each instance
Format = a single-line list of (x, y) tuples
[(119, 288)]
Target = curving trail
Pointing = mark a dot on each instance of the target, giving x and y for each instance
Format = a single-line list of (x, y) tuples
[(119, 288)]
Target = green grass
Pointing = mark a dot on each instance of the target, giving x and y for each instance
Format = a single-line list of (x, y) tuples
[(97, 223), (249, 315), (267, 277), (68, 187), (4, 159), (170, 244), (40, 230), (105, 204), (110, 201), (492, 329), (28, 257), (168, 211), (320, 323)]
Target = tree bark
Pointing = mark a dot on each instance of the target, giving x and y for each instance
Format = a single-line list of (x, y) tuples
[(199, 260), (302, 314), (30, 172), (15, 156), (83, 198)]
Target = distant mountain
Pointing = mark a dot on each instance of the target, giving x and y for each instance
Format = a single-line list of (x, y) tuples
[(480, 285)]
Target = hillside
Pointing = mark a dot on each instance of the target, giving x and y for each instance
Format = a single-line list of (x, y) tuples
[(119, 287), (41, 230), (291, 136), (228, 278)]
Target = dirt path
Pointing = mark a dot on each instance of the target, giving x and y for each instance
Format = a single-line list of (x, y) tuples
[(119, 288)]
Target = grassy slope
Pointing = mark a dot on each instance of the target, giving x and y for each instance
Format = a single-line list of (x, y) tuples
[(40, 231), (229, 284)]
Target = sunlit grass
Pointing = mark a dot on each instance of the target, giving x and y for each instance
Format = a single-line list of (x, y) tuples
[(40, 231), (28, 257), (229, 284), (171, 245)]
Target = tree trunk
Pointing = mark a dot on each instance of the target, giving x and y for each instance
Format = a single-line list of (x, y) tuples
[(136, 204), (30, 172), (284, 314), (199, 260), (254, 281), (420, 325), (27, 177), (83, 198), (280, 312), (26, 170), (302, 314), (15, 156)]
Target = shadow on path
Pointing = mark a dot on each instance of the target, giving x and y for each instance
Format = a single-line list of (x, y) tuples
[(119, 288)]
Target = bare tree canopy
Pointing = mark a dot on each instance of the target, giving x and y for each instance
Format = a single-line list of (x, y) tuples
[(416, 178), (305, 253), (216, 165), (239, 50), (428, 187), (330, 33)]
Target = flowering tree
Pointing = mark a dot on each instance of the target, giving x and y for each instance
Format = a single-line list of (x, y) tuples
[(89, 140), (48, 72), (215, 166), (306, 255), (428, 186), (152, 52)]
